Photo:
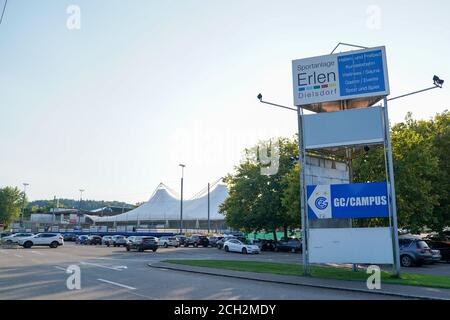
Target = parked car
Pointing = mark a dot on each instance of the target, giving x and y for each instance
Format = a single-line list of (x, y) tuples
[(119, 240), (143, 243), (244, 247), (442, 246), (436, 255), (94, 240), (197, 240), (133, 238), (70, 237), (265, 245), (14, 238), (441, 238), (221, 242), (289, 245), (213, 240), (414, 252), (107, 240), (168, 242), (82, 239), (53, 240), (5, 234), (181, 239)]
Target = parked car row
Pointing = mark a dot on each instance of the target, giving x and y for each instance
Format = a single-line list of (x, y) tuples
[(28, 240), (413, 250)]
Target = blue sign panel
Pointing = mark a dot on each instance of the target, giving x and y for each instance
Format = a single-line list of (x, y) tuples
[(361, 73), (344, 201)]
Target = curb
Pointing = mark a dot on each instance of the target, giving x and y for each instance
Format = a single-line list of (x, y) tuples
[(297, 284)]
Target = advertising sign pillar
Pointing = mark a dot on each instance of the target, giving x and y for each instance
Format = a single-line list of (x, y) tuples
[(342, 90)]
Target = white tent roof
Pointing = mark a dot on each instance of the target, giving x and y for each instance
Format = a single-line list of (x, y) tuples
[(163, 205)]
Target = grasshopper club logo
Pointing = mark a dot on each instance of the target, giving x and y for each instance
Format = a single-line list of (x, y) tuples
[(321, 203)]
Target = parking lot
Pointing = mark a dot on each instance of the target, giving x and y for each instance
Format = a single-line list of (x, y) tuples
[(114, 273)]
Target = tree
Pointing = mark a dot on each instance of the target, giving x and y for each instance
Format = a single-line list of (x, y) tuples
[(437, 133), (415, 167), (255, 198), (291, 195), (11, 201)]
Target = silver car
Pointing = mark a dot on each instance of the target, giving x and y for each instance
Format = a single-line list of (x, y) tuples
[(118, 241), (169, 242), (414, 252), (14, 238)]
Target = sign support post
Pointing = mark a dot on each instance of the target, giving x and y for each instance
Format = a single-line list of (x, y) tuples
[(303, 193), (393, 203)]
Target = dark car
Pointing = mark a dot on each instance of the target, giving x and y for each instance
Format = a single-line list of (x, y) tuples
[(213, 240), (414, 252), (5, 234), (437, 243), (70, 237), (94, 240), (143, 243), (289, 245), (82, 239), (181, 239), (265, 245), (197, 240)]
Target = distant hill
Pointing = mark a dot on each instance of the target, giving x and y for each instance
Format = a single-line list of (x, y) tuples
[(85, 204)]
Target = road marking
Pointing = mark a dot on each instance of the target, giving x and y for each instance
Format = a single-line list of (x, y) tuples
[(117, 284), (38, 253), (117, 268), (18, 255), (60, 268)]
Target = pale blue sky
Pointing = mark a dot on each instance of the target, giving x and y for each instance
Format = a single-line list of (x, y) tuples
[(144, 85)]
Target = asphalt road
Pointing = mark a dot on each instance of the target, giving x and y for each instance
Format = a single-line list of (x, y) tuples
[(113, 273)]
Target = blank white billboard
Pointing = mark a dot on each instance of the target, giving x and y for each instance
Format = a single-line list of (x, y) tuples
[(348, 127), (351, 245)]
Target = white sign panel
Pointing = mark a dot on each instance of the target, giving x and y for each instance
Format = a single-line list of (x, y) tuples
[(343, 76), (351, 245), (349, 127)]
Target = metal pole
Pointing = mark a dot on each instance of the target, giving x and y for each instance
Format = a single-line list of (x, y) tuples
[(209, 210), (393, 203), (181, 200), (54, 210), (23, 203), (79, 209), (303, 214)]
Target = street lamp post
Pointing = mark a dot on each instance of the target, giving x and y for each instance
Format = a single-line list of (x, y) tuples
[(25, 185), (79, 207), (209, 209), (181, 202)]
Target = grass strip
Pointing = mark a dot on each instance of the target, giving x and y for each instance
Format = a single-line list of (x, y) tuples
[(290, 269)]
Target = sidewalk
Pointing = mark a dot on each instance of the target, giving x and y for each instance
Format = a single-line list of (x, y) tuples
[(401, 291)]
